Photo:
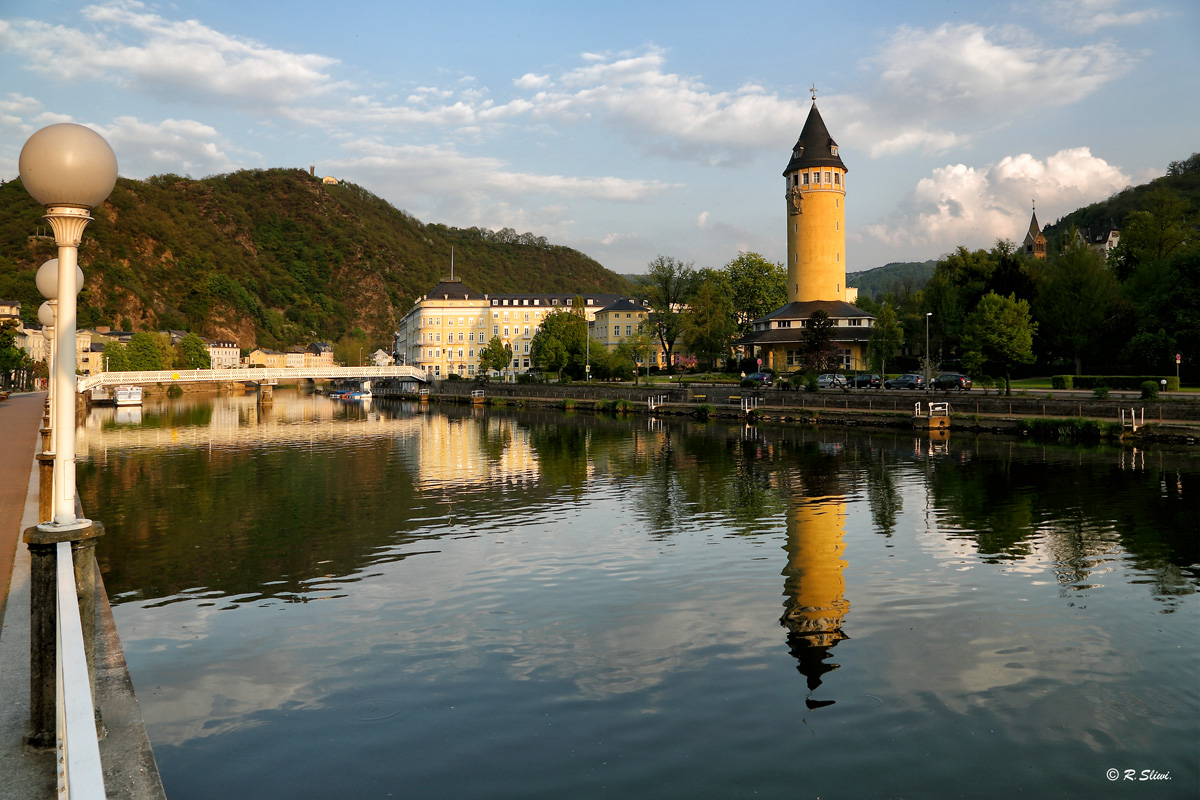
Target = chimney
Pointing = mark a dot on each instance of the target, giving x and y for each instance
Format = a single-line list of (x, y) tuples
[(312, 171)]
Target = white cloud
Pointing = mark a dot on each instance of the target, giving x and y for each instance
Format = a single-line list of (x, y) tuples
[(179, 146), (702, 220), (145, 52), (439, 182), (963, 205), (531, 81), (936, 88), (1089, 16)]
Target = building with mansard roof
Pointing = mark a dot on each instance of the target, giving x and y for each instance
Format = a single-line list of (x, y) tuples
[(446, 330)]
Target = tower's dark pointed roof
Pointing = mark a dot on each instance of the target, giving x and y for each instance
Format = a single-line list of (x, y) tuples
[(815, 147), (1034, 228)]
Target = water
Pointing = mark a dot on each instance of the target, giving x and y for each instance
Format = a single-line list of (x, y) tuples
[(325, 600)]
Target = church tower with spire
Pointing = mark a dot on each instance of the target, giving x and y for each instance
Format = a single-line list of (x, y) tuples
[(816, 216)]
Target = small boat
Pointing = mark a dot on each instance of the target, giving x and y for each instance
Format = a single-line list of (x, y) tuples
[(127, 396)]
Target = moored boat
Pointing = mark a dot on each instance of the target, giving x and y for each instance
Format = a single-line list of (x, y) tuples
[(127, 396)]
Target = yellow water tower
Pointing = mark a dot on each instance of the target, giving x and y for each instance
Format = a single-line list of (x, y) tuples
[(816, 216)]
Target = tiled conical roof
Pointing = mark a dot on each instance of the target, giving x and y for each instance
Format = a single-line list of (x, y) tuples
[(815, 147)]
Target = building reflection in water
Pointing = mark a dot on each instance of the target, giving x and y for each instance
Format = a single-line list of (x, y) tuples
[(815, 603)]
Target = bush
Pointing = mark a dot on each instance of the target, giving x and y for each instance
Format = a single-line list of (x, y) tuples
[(568, 404), (705, 410), (1125, 382), (810, 383), (1149, 390), (1065, 430), (749, 384), (1100, 392), (454, 376)]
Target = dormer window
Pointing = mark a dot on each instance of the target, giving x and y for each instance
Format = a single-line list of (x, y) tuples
[(833, 150)]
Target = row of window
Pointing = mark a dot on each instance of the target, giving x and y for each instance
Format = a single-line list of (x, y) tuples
[(436, 352), (795, 358), (469, 369), (833, 178), (853, 322)]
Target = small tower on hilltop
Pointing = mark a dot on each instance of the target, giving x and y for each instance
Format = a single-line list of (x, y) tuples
[(816, 216)]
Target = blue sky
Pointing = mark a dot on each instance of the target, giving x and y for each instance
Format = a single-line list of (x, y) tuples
[(629, 130)]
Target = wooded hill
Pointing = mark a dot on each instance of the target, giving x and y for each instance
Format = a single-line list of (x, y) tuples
[(271, 258), (1182, 178), (898, 277)]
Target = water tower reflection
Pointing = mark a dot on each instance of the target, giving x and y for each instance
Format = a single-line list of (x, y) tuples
[(815, 603)]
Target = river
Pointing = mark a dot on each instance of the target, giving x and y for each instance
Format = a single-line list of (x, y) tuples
[(323, 599)]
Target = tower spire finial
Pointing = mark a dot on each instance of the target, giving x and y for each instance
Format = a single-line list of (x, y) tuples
[(814, 92)]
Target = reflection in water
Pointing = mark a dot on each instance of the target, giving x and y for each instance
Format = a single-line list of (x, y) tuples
[(815, 587), (589, 606)]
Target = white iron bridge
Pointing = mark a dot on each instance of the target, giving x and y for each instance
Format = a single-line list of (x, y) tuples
[(254, 374)]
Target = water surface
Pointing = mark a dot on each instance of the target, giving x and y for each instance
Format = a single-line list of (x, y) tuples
[(323, 599)]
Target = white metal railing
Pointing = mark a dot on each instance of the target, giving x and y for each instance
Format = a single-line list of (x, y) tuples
[(935, 410), (1133, 423), (656, 400), (253, 374), (80, 775), (749, 404)]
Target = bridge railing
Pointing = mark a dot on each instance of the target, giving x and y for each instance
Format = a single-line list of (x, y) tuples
[(251, 374)]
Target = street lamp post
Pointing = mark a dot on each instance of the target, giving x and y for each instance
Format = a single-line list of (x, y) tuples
[(928, 314), (70, 170)]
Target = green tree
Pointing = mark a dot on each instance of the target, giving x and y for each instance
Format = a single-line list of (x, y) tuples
[(1076, 300), (709, 324), (116, 357), (757, 288), (886, 338), (1154, 233), (496, 356), (668, 286), (817, 342), (192, 353), (561, 342), (15, 366), (144, 353), (1000, 330)]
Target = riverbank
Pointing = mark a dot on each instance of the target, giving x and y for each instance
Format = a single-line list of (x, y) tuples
[(1173, 419)]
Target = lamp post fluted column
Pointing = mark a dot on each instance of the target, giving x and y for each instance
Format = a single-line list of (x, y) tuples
[(70, 170)]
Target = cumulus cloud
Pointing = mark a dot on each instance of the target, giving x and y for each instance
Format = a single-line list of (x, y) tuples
[(179, 146), (963, 205), (143, 51), (934, 89)]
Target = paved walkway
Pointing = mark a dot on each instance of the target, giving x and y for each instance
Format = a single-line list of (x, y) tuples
[(128, 762), (23, 773)]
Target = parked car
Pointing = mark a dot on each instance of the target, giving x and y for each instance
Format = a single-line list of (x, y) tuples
[(866, 381), (951, 380), (831, 380), (758, 379), (907, 381)]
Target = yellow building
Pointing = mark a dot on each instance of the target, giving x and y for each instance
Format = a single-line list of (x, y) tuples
[(271, 359), (446, 331), (815, 211)]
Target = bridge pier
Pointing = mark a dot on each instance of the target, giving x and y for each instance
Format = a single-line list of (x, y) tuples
[(266, 394)]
